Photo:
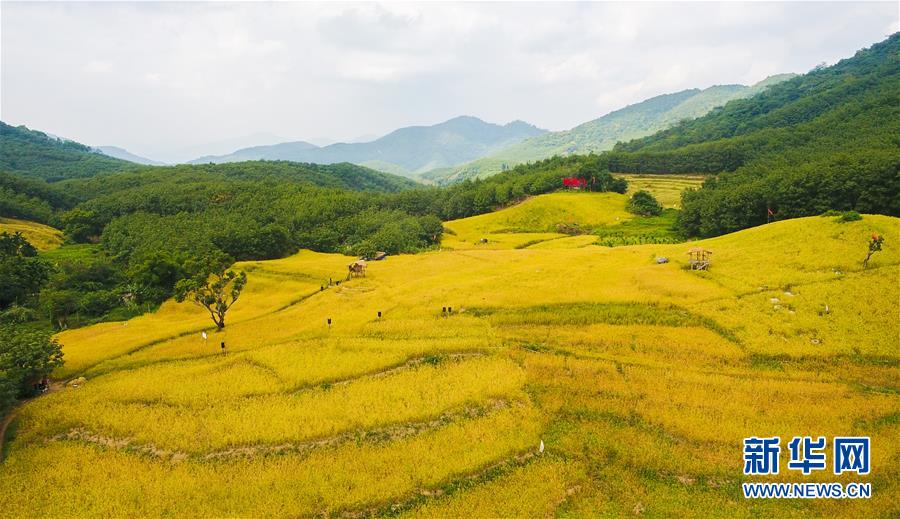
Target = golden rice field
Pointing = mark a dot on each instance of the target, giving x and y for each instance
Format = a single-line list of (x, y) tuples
[(641, 379), (536, 220), (43, 237), (666, 188)]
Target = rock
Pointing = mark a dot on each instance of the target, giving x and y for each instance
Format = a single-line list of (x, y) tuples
[(662, 259), (774, 300)]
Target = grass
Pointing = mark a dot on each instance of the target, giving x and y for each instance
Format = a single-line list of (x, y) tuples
[(43, 237), (72, 253), (640, 378)]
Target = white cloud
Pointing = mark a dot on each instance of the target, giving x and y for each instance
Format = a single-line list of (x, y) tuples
[(188, 73)]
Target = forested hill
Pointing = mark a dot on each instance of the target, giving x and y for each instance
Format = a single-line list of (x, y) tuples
[(853, 103), (339, 176), (598, 135), (825, 140), (33, 199), (36, 155)]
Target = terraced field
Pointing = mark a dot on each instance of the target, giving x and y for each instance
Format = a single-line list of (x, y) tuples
[(536, 220), (43, 237), (666, 188), (641, 380)]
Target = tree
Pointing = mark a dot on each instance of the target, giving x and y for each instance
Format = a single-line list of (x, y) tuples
[(214, 288), (60, 304), (82, 225), (644, 204), (24, 357), (22, 274), (155, 275), (874, 246), (16, 245)]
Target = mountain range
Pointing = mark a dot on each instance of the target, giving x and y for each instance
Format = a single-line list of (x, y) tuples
[(408, 151)]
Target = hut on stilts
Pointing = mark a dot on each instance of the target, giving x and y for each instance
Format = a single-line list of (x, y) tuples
[(699, 258)]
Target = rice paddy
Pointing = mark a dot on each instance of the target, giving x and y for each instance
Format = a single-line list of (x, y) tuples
[(641, 380), (43, 237), (666, 188), (536, 220)]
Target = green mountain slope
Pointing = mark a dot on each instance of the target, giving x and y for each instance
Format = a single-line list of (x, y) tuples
[(602, 134), (34, 154), (405, 151), (824, 140)]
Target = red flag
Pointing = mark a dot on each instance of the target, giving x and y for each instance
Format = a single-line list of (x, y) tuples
[(771, 213)]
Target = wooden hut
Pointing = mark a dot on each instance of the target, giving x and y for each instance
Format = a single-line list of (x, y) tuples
[(699, 258)]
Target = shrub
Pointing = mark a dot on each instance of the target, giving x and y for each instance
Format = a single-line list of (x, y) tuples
[(849, 216), (644, 204)]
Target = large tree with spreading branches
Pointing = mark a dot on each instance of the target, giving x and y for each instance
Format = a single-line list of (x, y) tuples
[(214, 287)]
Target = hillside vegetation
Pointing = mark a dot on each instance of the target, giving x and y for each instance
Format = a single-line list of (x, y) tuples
[(641, 380), (823, 140), (36, 155), (637, 120)]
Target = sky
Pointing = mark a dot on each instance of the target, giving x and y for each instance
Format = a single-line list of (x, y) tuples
[(172, 81)]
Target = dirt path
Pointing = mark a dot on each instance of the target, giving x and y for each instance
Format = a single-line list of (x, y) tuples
[(54, 387)]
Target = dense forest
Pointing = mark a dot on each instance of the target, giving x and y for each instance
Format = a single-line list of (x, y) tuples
[(824, 140)]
